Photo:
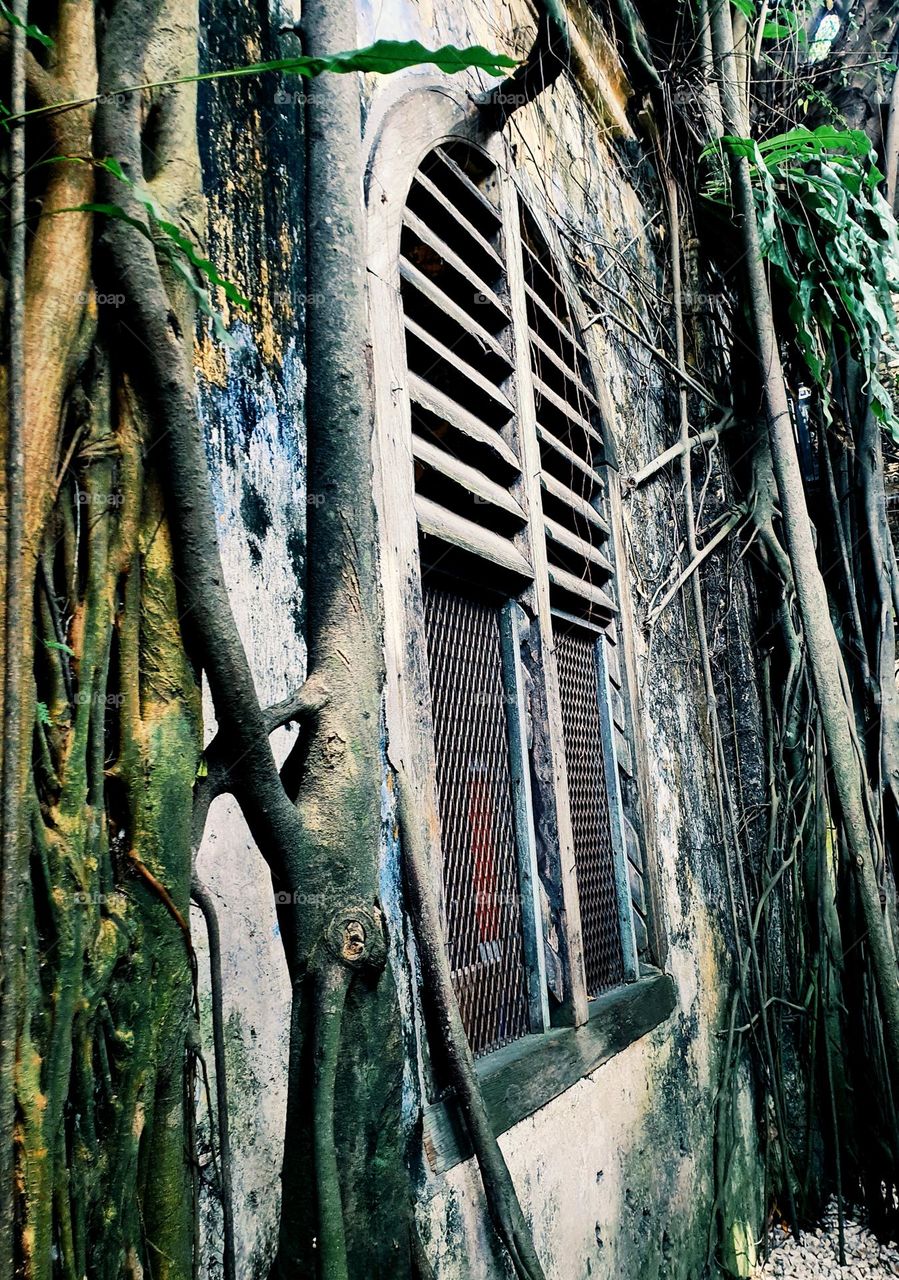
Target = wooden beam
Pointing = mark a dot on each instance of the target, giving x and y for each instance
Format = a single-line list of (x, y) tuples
[(575, 501), (468, 424), (557, 533), (580, 587), (555, 796), (435, 295), (429, 237), (511, 621)]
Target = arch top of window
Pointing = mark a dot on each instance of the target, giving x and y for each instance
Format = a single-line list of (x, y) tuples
[(401, 135), (407, 125)]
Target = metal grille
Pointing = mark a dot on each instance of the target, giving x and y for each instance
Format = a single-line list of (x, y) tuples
[(594, 858), (480, 871)]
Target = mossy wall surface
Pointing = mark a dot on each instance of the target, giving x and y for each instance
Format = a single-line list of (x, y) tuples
[(616, 1175)]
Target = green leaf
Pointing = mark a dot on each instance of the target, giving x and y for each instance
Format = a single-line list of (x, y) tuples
[(382, 58), (746, 7), (833, 245), (43, 713), (29, 28), (62, 648), (177, 249), (203, 265)]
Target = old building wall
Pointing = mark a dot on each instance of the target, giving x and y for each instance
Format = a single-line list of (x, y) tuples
[(617, 1174)]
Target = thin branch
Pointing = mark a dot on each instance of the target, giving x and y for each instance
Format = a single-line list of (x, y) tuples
[(549, 56), (684, 445), (311, 697), (162, 893), (659, 355), (687, 572), (501, 1196), (332, 982), (161, 372)]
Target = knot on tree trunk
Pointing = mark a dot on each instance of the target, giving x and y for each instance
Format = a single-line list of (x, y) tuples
[(355, 937)]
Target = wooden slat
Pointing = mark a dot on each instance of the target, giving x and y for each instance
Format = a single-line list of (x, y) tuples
[(565, 369), (470, 478), (434, 294), (629, 952), (562, 406), (623, 753), (578, 587), (430, 238), (575, 501), (514, 686), (573, 459), (452, 208), (634, 848), (468, 536), (578, 546), (555, 826), (618, 712), (470, 187), (550, 315), (545, 274), (442, 352), (585, 624), (443, 407)]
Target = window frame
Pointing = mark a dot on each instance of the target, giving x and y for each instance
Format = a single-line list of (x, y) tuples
[(408, 127)]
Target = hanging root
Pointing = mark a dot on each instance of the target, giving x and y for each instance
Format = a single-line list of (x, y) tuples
[(332, 981), (502, 1199), (202, 897)]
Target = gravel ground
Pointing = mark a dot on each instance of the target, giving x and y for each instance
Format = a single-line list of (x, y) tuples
[(815, 1256)]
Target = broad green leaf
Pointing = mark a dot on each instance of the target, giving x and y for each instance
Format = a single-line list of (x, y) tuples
[(746, 7), (62, 648), (382, 58), (28, 27)]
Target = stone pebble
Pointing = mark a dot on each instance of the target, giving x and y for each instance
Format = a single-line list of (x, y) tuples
[(815, 1255)]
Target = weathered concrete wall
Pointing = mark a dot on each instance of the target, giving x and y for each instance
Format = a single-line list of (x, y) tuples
[(617, 1174), (251, 396)]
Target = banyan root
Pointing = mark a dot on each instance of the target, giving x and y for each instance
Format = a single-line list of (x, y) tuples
[(502, 1199)]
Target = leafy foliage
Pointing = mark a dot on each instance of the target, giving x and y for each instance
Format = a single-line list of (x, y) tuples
[(834, 245), (168, 238)]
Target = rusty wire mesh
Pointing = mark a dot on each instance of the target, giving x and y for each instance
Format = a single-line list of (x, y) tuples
[(594, 857), (480, 871)]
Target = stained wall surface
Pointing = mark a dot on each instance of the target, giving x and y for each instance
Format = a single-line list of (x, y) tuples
[(617, 1174)]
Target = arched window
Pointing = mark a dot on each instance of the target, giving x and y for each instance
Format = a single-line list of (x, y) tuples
[(506, 691)]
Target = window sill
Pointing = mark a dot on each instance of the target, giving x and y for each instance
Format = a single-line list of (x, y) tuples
[(523, 1077)]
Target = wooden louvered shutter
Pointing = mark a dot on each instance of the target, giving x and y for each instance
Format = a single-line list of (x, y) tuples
[(460, 368), (474, 559), (582, 592)]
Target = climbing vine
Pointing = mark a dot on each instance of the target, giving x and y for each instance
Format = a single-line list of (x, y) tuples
[(807, 248)]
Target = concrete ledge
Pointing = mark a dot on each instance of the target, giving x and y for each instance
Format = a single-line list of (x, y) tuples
[(523, 1077)]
